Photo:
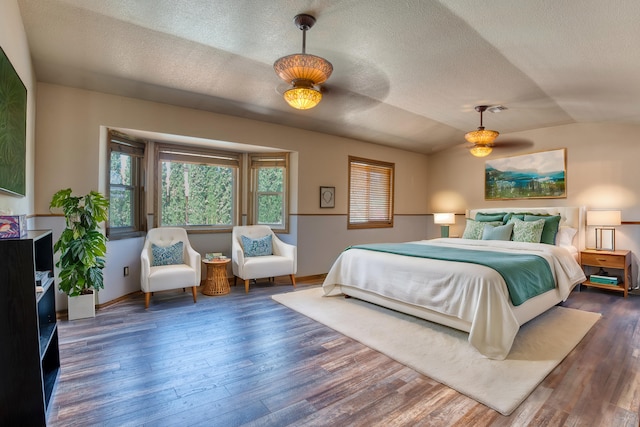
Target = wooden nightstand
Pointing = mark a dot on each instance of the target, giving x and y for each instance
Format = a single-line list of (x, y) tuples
[(608, 260)]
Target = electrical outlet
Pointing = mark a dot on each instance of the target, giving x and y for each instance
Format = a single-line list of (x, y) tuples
[(126, 271)]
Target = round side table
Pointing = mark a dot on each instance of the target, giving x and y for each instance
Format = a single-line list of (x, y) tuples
[(217, 282)]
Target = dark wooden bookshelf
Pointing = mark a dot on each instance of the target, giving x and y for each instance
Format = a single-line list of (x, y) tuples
[(28, 330)]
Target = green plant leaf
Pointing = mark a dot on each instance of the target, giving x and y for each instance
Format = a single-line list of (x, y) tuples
[(81, 245)]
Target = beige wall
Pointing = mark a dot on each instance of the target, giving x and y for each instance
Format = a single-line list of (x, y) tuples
[(68, 150), (14, 43), (70, 153)]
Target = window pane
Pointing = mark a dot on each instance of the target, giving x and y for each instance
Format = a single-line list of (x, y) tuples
[(270, 179), (120, 168), (120, 211), (270, 197), (125, 176), (196, 194), (270, 209)]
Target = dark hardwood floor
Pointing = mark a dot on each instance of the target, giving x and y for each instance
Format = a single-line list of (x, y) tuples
[(243, 359)]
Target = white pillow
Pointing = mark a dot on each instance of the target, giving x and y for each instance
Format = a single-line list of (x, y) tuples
[(565, 235)]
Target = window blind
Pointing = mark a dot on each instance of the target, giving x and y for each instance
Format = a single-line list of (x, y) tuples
[(370, 193)]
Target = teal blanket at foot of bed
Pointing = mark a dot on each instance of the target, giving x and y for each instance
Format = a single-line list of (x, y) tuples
[(526, 275)]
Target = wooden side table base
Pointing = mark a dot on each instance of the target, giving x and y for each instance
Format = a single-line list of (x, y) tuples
[(217, 282), (616, 260)]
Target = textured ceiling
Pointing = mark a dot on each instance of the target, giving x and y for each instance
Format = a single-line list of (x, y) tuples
[(406, 73)]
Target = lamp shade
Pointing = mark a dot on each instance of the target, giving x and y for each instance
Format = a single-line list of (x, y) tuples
[(302, 98), (302, 66), (481, 136), (604, 218), (444, 218), (480, 150)]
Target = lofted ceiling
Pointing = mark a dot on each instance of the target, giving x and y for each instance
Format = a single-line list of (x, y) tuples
[(406, 73)]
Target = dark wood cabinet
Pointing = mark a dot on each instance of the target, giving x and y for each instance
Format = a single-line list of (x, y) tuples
[(29, 353)]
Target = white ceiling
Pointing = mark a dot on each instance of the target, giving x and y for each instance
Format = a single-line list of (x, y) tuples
[(406, 73)]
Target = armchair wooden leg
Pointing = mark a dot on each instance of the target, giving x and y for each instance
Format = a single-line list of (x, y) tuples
[(147, 298), (246, 286), (194, 291), (293, 280), (234, 280)]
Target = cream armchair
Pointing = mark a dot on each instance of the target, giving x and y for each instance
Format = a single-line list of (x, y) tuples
[(177, 269), (283, 261)]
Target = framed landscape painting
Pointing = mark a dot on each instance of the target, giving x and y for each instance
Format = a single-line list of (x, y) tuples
[(13, 129), (529, 176)]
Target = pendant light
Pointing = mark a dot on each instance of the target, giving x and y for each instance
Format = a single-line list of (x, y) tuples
[(482, 139), (303, 71)]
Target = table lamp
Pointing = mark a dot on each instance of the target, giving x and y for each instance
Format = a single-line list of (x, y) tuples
[(444, 220), (604, 221)]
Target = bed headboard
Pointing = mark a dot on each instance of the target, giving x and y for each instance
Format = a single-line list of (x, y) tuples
[(572, 216)]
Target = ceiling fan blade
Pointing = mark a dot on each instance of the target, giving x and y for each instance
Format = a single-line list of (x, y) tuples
[(514, 143)]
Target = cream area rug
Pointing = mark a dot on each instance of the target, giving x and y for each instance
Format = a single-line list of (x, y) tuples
[(444, 354)]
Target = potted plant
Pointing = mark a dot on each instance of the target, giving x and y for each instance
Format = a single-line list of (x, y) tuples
[(82, 247)]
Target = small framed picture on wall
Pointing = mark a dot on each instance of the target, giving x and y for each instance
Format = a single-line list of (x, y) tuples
[(327, 197)]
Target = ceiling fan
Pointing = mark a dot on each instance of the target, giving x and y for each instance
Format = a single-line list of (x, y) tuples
[(361, 85), (483, 139), (304, 72)]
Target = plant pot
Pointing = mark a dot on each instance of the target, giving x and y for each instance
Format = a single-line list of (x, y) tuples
[(82, 306)]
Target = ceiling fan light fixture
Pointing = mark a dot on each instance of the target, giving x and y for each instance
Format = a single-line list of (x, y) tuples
[(303, 71), (480, 150), (303, 97), (302, 66), (481, 138)]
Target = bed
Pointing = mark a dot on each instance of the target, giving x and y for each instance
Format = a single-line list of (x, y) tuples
[(466, 296)]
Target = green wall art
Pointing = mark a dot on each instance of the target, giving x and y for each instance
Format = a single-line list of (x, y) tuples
[(13, 129)]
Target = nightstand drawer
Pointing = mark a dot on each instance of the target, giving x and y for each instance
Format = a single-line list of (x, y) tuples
[(604, 260)]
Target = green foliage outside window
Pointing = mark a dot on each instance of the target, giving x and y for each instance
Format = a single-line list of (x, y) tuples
[(270, 197), (196, 194), (121, 191)]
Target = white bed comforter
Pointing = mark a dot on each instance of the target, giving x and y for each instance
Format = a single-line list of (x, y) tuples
[(470, 292)]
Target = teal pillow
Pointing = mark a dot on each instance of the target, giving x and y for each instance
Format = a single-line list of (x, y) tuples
[(527, 231), (551, 224), (473, 229), (257, 247), (490, 217), (497, 232), (168, 255), (510, 215)]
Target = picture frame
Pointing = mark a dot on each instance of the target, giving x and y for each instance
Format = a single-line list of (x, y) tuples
[(13, 116), (327, 197), (540, 175)]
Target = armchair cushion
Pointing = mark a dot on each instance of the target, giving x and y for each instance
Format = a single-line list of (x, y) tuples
[(257, 247), (169, 255)]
